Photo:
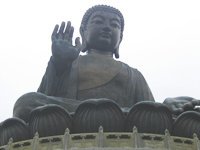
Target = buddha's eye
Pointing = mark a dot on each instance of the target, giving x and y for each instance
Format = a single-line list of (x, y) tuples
[(115, 25), (97, 21)]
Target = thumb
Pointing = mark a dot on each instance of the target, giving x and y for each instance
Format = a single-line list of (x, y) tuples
[(78, 43)]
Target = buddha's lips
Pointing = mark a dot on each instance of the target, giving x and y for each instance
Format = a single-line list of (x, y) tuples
[(105, 34)]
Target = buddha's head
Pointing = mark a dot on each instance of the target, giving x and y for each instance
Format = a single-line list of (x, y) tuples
[(102, 29)]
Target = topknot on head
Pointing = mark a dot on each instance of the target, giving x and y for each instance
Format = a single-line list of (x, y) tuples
[(106, 8)]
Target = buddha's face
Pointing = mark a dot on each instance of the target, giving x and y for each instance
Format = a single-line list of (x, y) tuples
[(103, 31)]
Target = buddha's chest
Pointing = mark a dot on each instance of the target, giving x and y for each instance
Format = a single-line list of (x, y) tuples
[(96, 71)]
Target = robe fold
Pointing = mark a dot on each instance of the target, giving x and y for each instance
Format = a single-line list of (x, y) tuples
[(97, 76), (91, 76)]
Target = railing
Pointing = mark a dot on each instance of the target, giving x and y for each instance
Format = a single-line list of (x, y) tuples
[(106, 141)]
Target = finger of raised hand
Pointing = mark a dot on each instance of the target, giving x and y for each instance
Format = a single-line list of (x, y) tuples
[(67, 31), (61, 30), (68, 36), (78, 44), (62, 27), (68, 27), (71, 32), (54, 33)]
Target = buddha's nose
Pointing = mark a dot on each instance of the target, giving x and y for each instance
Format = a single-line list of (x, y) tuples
[(107, 27)]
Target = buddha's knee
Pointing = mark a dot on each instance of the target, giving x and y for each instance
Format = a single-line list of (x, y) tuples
[(26, 103)]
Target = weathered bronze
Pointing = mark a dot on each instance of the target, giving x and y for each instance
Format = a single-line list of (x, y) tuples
[(149, 117), (187, 124), (14, 128), (93, 113), (181, 104), (49, 120), (71, 78)]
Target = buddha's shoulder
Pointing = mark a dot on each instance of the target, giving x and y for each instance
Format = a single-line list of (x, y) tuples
[(124, 65)]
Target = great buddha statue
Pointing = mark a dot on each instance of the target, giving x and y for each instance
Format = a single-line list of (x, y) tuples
[(71, 78)]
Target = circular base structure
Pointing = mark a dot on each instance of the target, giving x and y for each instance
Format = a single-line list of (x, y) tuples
[(106, 141)]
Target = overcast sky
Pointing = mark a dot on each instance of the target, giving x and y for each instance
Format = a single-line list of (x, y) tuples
[(161, 39)]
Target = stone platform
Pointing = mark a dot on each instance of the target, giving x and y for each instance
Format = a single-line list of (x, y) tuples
[(106, 141)]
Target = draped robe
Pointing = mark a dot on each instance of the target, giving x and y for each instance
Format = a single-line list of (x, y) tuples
[(91, 76)]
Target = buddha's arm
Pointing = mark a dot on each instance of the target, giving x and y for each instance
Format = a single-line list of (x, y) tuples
[(52, 81), (63, 51), (63, 55)]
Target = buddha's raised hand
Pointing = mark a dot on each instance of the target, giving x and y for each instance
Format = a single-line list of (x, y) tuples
[(62, 47)]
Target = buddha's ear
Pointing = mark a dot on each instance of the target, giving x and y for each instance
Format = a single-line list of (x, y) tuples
[(84, 45), (116, 52), (81, 30)]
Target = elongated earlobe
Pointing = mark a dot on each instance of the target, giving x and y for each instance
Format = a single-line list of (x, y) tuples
[(116, 53), (83, 47)]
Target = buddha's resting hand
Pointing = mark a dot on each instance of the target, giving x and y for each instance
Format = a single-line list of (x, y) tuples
[(181, 104), (63, 50)]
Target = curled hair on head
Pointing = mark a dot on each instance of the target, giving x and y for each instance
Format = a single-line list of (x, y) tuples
[(106, 8)]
